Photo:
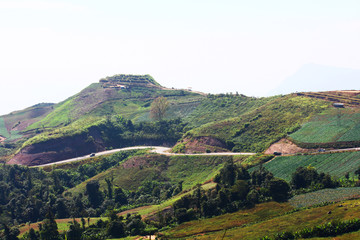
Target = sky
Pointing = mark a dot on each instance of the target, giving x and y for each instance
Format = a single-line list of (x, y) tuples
[(50, 50)]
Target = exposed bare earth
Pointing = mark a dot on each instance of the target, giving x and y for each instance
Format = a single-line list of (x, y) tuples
[(2, 139), (203, 144), (285, 147)]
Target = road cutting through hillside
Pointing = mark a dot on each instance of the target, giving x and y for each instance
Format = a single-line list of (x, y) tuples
[(154, 149)]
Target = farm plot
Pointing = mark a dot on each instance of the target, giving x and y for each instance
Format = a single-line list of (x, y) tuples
[(3, 131), (324, 195), (334, 125), (336, 164)]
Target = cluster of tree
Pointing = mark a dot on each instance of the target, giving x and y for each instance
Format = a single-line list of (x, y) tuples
[(115, 227), (119, 132), (309, 178), (26, 194), (236, 189)]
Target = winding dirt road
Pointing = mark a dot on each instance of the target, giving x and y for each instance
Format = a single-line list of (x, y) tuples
[(154, 149)]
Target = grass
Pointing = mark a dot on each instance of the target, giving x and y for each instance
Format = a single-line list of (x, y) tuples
[(130, 175), (260, 212), (3, 130), (194, 169), (255, 131), (336, 164), (334, 125), (221, 107), (324, 195), (146, 211), (288, 222), (63, 224)]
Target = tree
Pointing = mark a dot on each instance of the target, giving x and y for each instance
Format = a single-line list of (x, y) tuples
[(158, 108), (49, 229), (74, 231), (94, 194), (279, 189)]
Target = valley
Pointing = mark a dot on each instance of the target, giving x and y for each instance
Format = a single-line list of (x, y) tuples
[(102, 165)]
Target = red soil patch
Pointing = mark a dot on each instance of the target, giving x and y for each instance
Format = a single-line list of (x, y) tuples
[(202, 144), (285, 147)]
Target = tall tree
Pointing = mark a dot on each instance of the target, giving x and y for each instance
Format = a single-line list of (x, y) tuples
[(158, 108), (49, 229)]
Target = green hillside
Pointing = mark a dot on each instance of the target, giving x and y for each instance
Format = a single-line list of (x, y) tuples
[(331, 126), (219, 107), (257, 130), (266, 220), (190, 170), (336, 164)]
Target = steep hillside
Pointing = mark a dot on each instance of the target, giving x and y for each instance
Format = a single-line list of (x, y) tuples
[(12, 124), (127, 95), (222, 106), (136, 171), (256, 130), (333, 128), (77, 126)]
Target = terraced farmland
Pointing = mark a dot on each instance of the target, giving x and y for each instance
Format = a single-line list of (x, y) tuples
[(324, 195), (336, 164), (334, 125)]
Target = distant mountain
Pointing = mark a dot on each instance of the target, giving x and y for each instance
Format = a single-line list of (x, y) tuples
[(313, 77)]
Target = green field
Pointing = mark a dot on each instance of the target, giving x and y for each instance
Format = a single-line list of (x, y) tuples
[(3, 131), (336, 164), (334, 125), (265, 219), (277, 222), (324, 195)]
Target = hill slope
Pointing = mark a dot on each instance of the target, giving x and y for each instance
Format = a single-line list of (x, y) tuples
[(256, 130)]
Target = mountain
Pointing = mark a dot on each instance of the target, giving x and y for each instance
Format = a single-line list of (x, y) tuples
[(184, 196), (314, 78)]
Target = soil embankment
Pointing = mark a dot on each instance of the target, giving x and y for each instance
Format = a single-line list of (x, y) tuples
[(59, 149), (285, 147), (202, 145)]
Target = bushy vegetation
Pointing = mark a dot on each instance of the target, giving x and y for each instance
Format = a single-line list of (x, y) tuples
[(236, 189), (27, 193), (222, 106), (117, 131), (257, 130), (112, 227), (150, 172)]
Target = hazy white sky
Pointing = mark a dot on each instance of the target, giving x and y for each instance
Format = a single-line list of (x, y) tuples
[(50, 50)]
